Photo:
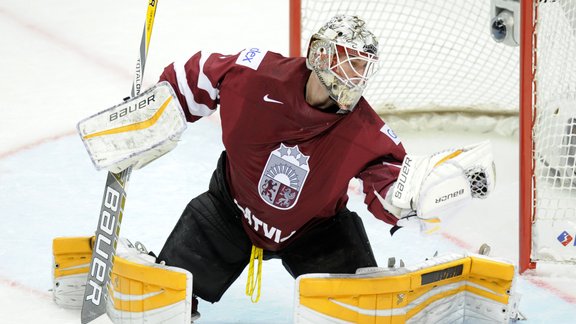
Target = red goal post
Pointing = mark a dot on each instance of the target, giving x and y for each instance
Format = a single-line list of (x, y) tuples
[(527, 181)]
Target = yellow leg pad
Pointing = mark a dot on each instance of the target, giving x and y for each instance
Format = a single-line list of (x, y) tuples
[(437, 289), (71, 263), (140, 288), (142, 291), (71, 255)]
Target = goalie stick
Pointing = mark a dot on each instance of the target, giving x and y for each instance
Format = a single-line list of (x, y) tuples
[(96, 291)]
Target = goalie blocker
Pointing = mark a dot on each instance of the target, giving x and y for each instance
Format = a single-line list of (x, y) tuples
[(135, 132)]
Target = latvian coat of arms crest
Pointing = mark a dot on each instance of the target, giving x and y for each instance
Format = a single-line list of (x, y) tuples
[(283, 177)]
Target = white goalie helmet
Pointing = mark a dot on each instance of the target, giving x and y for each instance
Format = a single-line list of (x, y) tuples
[(343, 53)]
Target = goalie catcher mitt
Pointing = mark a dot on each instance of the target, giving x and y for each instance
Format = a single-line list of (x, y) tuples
[(441, 183)]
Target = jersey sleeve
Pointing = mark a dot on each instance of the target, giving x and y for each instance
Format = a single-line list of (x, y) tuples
[(376, 181), (197, 80), (379, 176)]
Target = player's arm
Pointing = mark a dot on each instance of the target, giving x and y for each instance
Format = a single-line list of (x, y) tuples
[(146, 127), (377, 180), (197, 80)]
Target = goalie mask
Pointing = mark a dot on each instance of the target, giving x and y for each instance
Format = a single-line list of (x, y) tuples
[(343, 54)]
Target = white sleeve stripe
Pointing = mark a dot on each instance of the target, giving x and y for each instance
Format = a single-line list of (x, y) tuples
[(388, 205), (203, 81), (391, 164), (196, 109), (363, 193)]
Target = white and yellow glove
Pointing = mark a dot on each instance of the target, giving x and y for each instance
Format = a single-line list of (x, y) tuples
[(432, 187)]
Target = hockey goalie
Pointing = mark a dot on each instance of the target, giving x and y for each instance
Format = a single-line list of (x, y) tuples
[(295, 132)]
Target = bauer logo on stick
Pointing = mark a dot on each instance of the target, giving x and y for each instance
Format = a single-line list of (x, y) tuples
[(103, 247)]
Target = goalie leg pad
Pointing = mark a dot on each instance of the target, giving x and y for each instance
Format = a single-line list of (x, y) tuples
[(140, 290), (143, 291), (71, 263), (453, 288)]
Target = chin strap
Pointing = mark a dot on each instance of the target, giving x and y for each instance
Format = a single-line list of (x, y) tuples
[(253, 283)]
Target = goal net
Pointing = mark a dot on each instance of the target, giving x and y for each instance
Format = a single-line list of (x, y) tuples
[(441, 69), (551, 228)]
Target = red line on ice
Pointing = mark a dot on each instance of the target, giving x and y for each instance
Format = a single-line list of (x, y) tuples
[(43, 32), (23, 288), (34, 144), (546, 286)]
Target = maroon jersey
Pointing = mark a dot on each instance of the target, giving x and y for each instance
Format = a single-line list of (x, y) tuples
[(289, 164)]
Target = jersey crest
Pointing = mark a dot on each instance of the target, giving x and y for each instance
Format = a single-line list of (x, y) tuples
[(283, 177)]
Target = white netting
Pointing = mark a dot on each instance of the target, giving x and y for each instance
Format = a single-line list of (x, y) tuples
[(437, 58), (555, 132)]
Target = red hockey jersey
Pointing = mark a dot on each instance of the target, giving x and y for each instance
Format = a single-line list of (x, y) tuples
[(289, 164)]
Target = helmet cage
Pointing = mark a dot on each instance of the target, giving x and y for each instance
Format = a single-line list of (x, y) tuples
[(344, 71), (352, 67)]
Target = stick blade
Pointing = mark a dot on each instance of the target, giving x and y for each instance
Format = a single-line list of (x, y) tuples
[(89, 313)]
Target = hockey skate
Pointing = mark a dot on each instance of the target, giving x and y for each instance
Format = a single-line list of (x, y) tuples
[(195, 313)]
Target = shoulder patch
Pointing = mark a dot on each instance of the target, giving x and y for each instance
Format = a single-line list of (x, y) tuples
[(390, 133), (251, 57)]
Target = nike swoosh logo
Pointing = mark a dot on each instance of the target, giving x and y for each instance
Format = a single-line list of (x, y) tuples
[(268, 99)]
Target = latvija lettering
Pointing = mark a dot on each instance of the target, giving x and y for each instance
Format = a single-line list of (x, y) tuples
[(270, 232)]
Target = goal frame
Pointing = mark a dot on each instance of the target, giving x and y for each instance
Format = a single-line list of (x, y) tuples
[(527, 114), (526, 117)]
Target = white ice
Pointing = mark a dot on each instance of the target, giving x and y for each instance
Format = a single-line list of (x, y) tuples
[(63, 60)]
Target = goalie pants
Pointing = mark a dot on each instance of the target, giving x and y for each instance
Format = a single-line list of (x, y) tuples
[(209, 241)]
